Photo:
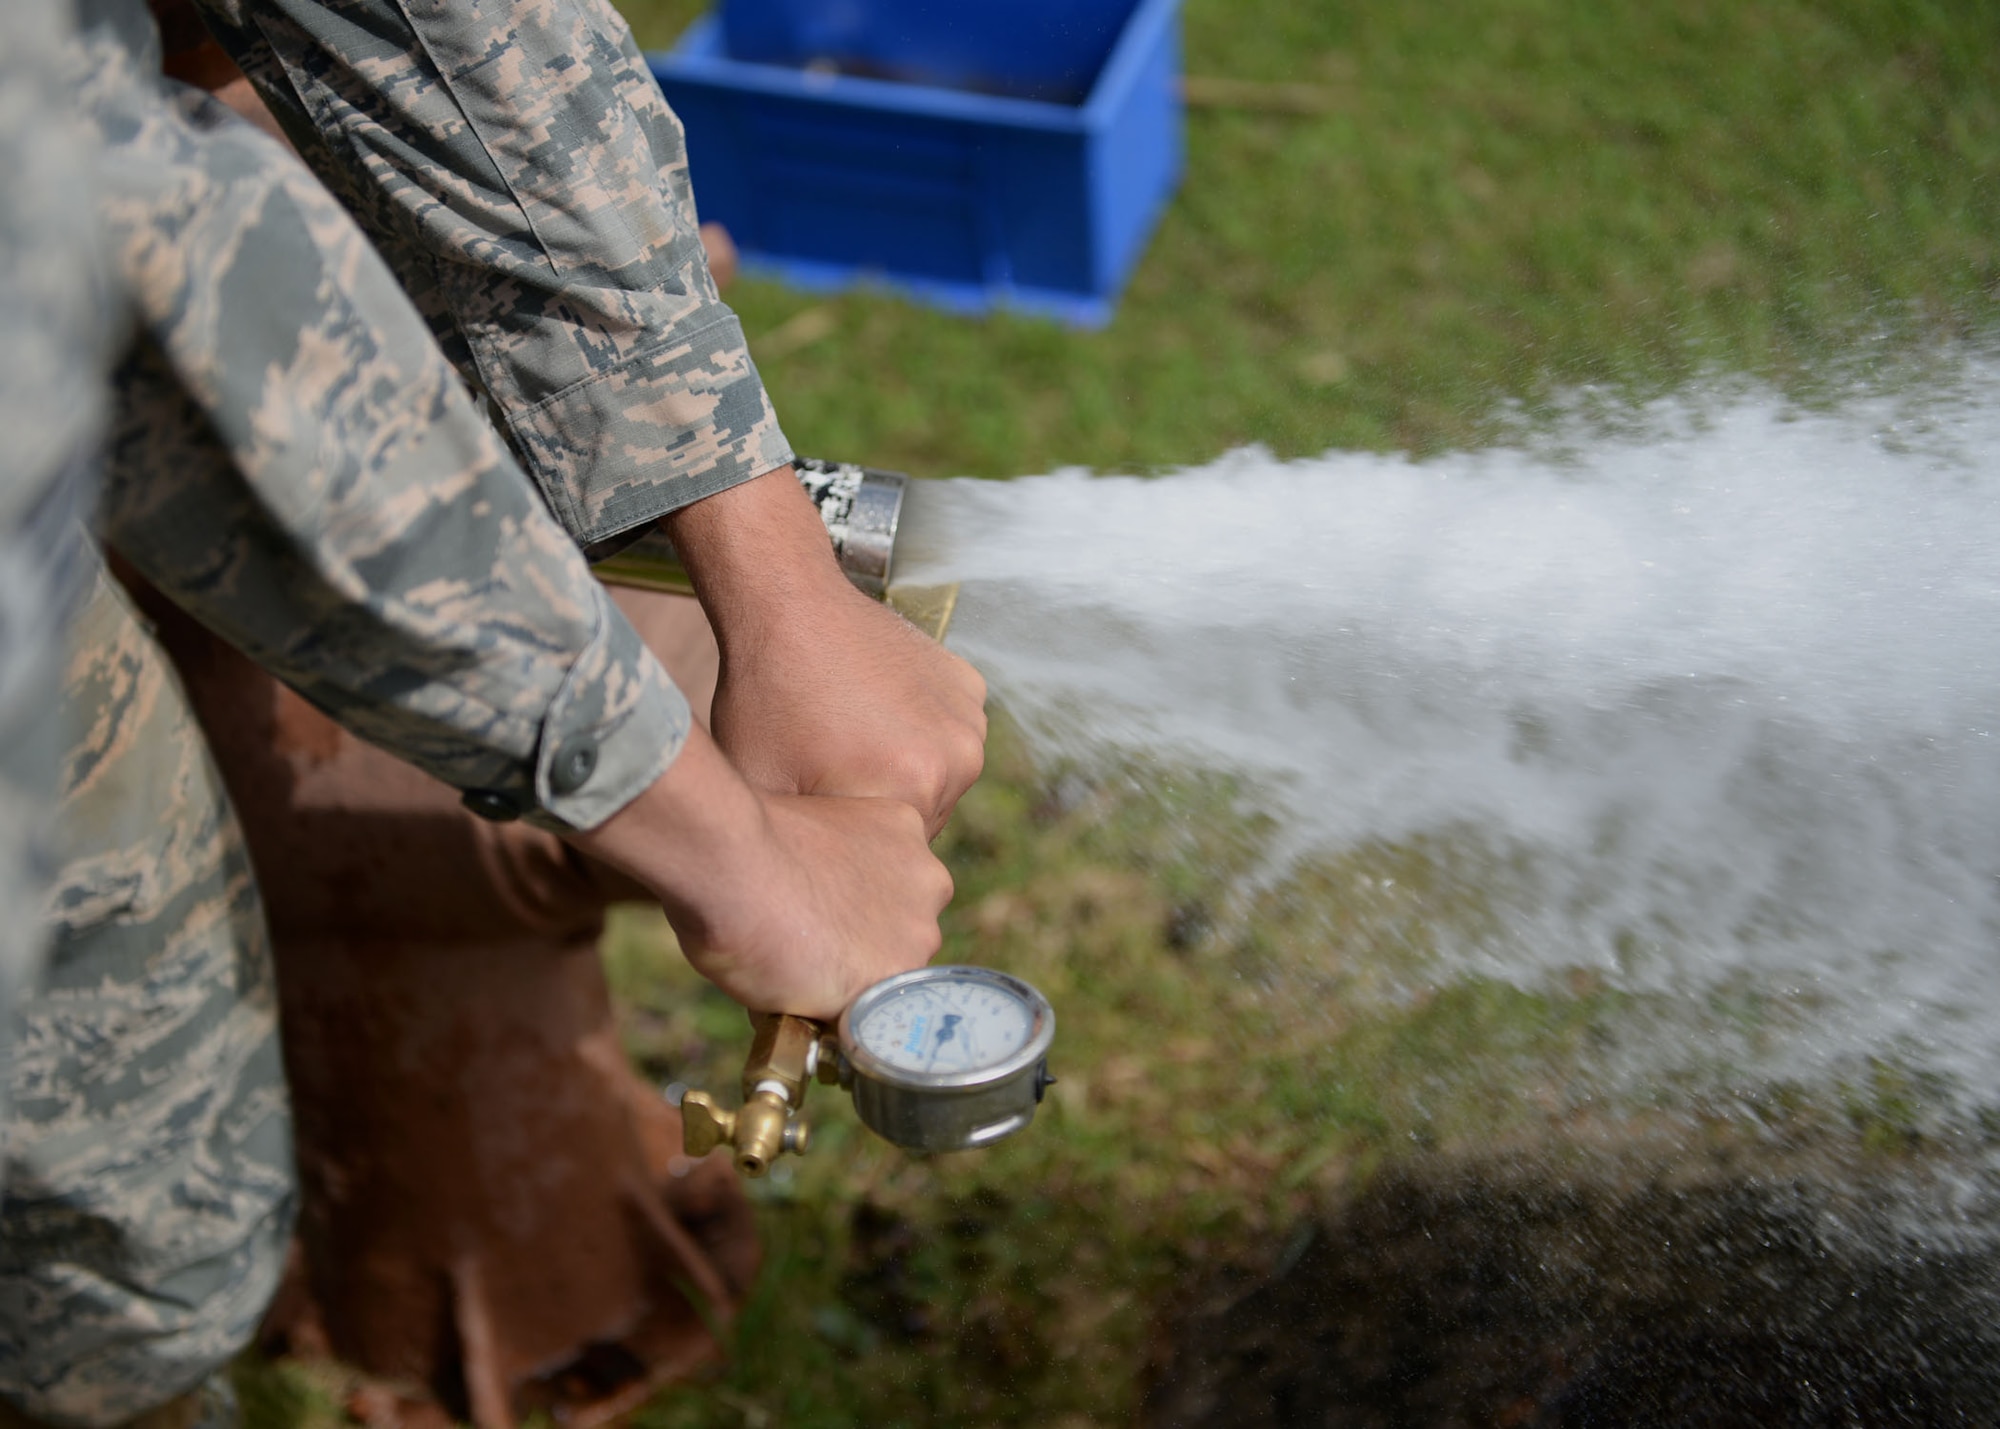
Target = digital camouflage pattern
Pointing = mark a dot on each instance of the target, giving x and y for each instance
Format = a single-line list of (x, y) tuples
[(54, 302), (297, 465), (515, 162), (148, 1184), (150, 1189), (294, 460)]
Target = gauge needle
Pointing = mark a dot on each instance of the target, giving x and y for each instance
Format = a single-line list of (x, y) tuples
[(944, 1035)]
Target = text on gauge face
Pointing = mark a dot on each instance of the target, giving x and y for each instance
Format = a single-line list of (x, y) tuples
[(946, 1025)]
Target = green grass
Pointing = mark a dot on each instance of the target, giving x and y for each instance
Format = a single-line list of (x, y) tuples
[(1207, 1100), (1231, 1063), (1503, 200)]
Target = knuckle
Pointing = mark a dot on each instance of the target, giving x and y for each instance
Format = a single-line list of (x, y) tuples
[(936, 764), (925, 772)]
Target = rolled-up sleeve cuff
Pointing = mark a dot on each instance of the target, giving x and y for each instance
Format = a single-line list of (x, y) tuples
[(614, 726), (666, 427)]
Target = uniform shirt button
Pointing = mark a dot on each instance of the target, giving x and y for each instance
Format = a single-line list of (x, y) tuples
[(491, 804), (574, 763)]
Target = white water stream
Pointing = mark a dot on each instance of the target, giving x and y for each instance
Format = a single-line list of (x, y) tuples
[(1730, 683)]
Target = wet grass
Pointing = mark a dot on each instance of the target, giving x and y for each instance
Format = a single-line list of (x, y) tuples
[(1494, 203), (1236, 1066), (1210, 1097)]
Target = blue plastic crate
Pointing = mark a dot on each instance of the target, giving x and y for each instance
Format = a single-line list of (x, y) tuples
[(962, 199), (1030, 49)]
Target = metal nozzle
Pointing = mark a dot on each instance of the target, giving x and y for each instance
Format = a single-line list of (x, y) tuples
[(859, 506)]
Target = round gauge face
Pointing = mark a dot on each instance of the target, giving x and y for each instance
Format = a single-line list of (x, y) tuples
[(946, 1024)]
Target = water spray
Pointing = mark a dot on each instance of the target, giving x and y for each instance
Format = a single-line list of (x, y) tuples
[(940, 1059)]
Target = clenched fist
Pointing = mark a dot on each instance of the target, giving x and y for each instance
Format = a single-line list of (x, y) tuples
[(788, 903)]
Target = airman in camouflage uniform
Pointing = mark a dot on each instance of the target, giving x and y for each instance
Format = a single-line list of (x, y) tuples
[(294, 460)]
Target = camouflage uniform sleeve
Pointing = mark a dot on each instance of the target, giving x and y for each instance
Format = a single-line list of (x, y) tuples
[(517, 165), (54, 305), (297, 464)]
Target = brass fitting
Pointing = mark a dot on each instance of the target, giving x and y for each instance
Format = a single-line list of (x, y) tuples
[(828, 1066), (783, 1050), (765, 1129), (704, 1125), (928, 607)]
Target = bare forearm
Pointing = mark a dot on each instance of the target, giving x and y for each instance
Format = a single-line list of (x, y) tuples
[(823, 691), (757, 552)]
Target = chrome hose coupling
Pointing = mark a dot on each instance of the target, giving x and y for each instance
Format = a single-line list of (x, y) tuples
[(859, 506)]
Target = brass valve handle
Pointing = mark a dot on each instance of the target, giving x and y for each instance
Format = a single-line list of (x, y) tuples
[(785, 1053)]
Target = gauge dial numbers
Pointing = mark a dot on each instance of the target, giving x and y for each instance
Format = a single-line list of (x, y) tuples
[(948, 1025), (954, 1026)]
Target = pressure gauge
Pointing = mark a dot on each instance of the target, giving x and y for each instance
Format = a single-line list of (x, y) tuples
[(940, 1059), (946, 1058)]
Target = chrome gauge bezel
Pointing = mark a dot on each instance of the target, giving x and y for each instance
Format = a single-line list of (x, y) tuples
[(864, 1063)]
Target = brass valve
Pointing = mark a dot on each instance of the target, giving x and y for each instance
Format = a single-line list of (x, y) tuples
[(785, 1053), (760, 1132)]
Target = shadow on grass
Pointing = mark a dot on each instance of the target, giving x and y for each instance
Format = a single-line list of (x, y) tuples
[(1722, 1292)]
